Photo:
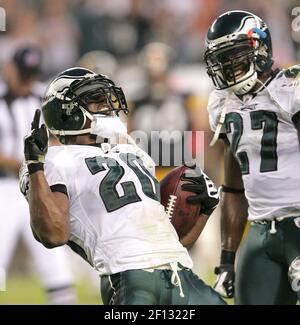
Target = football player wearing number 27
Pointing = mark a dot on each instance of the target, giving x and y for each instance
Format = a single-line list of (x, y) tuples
[(255, 111), (100, 196)]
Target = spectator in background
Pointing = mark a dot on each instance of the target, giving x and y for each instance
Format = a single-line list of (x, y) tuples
[(22, 22), (119, 27), (20, 96), (101, 62), (157, 106), (66, 29), (58, 36)]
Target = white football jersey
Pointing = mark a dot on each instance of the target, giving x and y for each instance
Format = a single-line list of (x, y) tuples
[(264, 140), (117, 222)]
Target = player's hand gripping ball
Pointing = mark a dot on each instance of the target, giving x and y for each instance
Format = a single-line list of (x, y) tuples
[(187, 192)]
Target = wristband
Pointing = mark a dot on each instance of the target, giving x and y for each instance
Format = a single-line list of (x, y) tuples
[(227, 257), (227, 189), (32, 168)]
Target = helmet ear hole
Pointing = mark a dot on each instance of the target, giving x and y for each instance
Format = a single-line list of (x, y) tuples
[(77, 119)]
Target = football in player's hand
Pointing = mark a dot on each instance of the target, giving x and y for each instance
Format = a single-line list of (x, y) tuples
[(182, 215)]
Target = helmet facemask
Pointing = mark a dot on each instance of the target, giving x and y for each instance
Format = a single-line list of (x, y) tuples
[(232, 67), (101, 104), (99, 90)]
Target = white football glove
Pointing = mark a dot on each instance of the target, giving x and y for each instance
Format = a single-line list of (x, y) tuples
[(24, 181), (224, 284)]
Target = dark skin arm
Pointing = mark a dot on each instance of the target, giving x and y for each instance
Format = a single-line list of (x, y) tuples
[(233, 206), (49, 212), (189, 239)]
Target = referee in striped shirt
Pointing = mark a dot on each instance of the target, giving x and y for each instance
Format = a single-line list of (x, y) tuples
[(20, 95)]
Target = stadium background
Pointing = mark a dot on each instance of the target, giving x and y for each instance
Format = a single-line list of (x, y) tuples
[(66, 30)]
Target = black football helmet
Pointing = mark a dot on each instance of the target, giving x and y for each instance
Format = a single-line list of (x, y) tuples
[(238, 48), (65, 104)]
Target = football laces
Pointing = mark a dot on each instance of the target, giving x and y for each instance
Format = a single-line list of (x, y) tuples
[(171, 205)]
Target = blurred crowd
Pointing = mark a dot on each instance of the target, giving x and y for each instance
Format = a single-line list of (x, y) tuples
[(66, 30), (152, 48)]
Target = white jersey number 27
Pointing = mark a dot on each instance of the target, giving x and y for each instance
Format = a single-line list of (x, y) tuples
[(265, 120)]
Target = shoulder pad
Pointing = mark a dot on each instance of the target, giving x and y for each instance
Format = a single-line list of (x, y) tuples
[(216, 99)]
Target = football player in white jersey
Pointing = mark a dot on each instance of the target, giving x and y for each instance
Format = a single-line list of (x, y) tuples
[(100, 196), (255, 110)]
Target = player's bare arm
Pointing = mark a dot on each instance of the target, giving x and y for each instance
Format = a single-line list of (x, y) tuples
[(49, 210), (190, 238), (233, 203), (233, 220)]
